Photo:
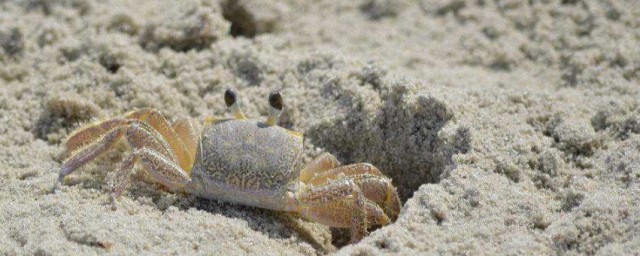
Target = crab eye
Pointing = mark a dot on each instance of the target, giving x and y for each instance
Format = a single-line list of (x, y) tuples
[(275, 100), (229, 97)]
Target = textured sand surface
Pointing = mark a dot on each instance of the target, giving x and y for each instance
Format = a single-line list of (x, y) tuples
[(509, 127)]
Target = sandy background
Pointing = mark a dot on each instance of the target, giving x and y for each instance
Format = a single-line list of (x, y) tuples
[(509, 127)]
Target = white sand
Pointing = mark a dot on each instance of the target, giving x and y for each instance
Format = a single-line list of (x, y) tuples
[(508, 127)]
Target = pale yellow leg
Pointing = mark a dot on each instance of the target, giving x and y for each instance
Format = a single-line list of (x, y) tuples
[(379, 190), (138, 135), (157, 121), (341, 204), (89, 133), (333, 213), (141, 135), (161, 170), (373, 184), (188, 131), (86, 135), (320, 164), (81, 157), (346, 170)]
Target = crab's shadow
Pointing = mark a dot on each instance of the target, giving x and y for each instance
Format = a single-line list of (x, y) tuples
[(273, 224)]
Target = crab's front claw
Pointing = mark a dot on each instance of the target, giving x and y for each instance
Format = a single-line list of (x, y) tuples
[(374, 185), (380, 190), (354, 196)]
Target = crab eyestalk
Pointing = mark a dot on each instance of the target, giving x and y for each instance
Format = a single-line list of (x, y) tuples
[(275, 100), (231, 100)]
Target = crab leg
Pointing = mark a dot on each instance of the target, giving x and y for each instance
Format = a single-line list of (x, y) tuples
[(156, 120), (161, 169), (188, 131), (379, 189), (90, 152), (88, 134), (373, 184), (340, 204), (346, 170), (137, 136), (320, 164), (147, 146), (153, 118)]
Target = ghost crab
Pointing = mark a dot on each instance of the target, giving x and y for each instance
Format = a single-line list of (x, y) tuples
[(240, 160)]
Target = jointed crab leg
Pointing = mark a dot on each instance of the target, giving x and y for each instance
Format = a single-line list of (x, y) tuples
[(188, 131), (153, 118), (140, 136), (161, 169), (149, 146), (88, 134), (346, 170), (341, 204), (320, 164), (162, 126), (90, 152), (380, 191), (381, 202)]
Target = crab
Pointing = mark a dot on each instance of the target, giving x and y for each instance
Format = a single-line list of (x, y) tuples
[(240, 160)]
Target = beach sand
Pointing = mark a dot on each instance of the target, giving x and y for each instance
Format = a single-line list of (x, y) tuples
[(508, 127)]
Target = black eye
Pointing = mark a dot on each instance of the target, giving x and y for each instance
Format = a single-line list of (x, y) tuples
[(275, 100), (229, 97)]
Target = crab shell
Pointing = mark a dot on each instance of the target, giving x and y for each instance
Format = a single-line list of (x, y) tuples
[(247, 162)]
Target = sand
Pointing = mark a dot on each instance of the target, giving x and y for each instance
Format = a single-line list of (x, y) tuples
[(509, 127)]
